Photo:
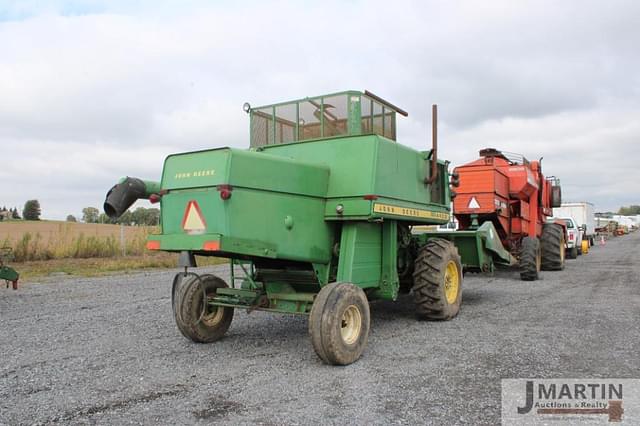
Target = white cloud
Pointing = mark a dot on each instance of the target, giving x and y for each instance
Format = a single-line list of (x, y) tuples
[(90, 91)]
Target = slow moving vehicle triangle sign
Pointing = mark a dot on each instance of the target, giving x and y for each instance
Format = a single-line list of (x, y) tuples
[(193, 222), (473, 203)]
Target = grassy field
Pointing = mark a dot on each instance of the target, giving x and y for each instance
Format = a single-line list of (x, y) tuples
[(45, 247), (92, 267), (46, 240)]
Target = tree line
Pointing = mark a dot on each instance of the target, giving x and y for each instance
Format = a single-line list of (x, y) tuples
[(32, 211), (140, 216), (631, 210)]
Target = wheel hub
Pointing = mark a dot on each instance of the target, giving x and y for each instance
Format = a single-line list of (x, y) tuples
[(451, 282), (351, 325), (212, 316)]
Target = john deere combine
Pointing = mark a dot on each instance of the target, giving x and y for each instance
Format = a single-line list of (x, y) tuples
[(316, 218)]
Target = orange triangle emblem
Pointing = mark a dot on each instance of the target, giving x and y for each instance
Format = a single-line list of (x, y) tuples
[(193, 222)]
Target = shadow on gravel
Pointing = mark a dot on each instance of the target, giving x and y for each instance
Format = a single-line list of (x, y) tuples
[(117, 404), (386, 310), (217, 408), (472, 297)]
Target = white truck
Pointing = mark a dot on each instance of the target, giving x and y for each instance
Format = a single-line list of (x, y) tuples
[(574, 235), (582, 214)]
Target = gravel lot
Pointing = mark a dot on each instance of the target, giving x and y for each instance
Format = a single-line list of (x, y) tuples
[(106, 351)]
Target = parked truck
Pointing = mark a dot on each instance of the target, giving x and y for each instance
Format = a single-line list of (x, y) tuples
[(583, 214), (574, 236)]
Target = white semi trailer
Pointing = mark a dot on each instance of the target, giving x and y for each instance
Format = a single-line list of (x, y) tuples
[(582, 214)]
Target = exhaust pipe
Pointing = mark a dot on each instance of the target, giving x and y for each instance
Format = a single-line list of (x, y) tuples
[(126, 192), (434, 147)]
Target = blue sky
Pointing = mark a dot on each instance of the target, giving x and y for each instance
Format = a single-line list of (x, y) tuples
[(20, 10), (94, 90), (24, 9)]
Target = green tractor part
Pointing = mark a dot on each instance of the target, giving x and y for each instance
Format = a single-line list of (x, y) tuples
[(316, 219), (480, 249), (7, 273)]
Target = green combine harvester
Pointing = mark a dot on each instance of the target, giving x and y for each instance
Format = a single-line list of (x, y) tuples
[(316, 218)]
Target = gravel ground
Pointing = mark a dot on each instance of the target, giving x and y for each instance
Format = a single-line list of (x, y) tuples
[(106, 351)]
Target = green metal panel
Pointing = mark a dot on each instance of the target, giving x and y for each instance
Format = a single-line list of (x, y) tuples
[(276, 208), (370, 165), (355, 117), (479, 249), (360, 259), (196, 169), (249, 169), (8, 273), (258, 223), (389, 283)]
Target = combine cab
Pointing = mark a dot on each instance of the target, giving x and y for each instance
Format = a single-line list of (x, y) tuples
[(316, 219)]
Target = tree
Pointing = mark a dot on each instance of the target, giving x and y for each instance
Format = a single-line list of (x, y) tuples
[(90, 215), (153, 216), (139, 216), (15, 214), (31, 210), (71, 218), (126, 218), (103, 218), (629, 211), (146, 217)]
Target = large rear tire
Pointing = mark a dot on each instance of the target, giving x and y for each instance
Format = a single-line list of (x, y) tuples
[(530, 259), (195, 323), (553, 247), (437, 280), (339, 323)]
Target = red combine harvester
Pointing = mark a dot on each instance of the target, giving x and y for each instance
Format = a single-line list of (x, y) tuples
[(513, 194)]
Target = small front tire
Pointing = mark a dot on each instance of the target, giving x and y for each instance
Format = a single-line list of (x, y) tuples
[(195, 323), (339, 323)]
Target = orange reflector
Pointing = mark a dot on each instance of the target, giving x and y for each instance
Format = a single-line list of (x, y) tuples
[(211, 245), (153, 245)]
